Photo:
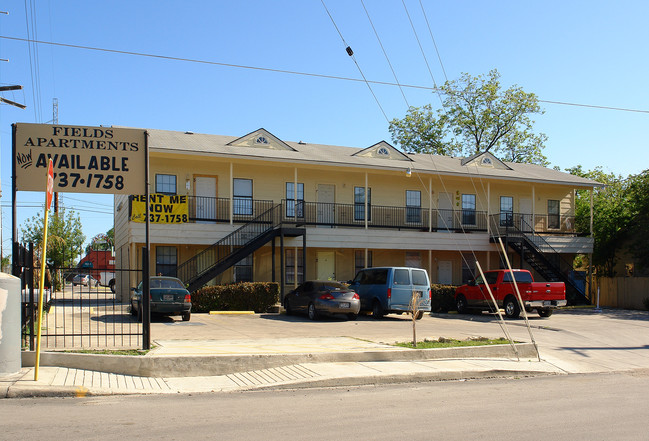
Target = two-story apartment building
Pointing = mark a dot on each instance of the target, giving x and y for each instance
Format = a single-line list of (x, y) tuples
[(264, 209)]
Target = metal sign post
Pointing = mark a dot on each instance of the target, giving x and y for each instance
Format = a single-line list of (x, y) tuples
[(41, 283)]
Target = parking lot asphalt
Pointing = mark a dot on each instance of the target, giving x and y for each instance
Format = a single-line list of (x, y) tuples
[(278, 351)]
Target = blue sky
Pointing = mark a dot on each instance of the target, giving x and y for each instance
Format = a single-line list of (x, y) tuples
[(582, 52)]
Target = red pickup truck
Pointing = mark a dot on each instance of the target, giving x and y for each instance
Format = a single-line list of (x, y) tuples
[(542, 296)]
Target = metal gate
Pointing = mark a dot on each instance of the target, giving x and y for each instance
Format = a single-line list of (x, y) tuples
[(80, 311)]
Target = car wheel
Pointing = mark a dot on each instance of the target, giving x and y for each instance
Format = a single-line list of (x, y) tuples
[(287, 307), (512, 310), (377, 310), (352, 316), (133, 310), (139, 312), (112, 286), (461, 305), (186, 316), (545, 312), (312, 313), (419, 315)]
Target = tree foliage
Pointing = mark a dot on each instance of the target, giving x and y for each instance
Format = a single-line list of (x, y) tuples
[(620, 217), (64, 237), (102, 241), (476, 117)]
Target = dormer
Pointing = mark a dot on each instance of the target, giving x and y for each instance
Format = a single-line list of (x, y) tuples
[(262, 139), (485, 160), (382, 150)]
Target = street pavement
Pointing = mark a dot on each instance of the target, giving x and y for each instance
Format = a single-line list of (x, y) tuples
[(227, 353)]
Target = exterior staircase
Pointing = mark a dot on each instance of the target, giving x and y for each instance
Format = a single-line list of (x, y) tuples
[(217, 258), (543, 258)]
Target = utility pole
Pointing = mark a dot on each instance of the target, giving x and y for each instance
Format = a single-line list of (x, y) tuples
[(55, 120)]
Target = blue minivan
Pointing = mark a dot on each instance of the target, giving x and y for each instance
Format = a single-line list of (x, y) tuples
[(390, 289)]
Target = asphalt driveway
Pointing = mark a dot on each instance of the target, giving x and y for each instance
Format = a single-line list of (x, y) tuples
[(583, 339)]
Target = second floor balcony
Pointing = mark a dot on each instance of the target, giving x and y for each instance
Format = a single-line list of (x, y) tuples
[(332, 215)]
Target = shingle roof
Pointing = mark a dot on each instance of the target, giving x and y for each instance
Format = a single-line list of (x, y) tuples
[(165, 141)]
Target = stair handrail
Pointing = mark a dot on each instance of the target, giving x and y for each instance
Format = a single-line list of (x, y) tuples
[(270, 218), (530, 235)]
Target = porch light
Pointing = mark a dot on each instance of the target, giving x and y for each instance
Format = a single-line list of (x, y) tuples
[(408, 172)]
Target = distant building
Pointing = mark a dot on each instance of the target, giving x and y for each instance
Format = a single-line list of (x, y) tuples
[(100, 265)]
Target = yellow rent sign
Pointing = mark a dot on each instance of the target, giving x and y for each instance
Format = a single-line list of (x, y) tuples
[(163, 209)]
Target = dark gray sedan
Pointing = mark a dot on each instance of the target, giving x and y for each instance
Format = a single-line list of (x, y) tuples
[(323, 297)]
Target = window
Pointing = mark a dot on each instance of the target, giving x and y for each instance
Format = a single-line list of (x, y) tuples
[(553, 214), (468, 209), (290, 265), (468, 267), (413, 206), (261, 140), (291, 199), (413, 259), (166, 261), (521, 277), (242, 197), (420, 277), (383, 152), (165, 184), (359, 203), (506, 211), (401, 277), (359, 260), (243, 270)]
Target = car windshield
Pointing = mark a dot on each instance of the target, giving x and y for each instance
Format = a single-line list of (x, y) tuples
[(166, 283)]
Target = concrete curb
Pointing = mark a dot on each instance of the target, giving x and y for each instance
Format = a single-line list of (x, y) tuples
[(212, 365), (406, 378)]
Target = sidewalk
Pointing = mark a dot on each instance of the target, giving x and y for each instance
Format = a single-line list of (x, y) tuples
[(196, 366)]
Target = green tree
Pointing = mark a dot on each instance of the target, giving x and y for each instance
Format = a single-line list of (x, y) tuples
[(638, 228), (64, 237), (102, 241), (611, 216), (476, 117)]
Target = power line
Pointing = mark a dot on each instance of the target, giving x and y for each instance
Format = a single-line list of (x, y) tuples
[(422, 51), (350, 52), (386, 54), (291, 72), (433, 38)]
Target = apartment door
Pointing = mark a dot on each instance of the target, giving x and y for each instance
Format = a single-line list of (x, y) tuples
[(205, 191), (326, 200), (445, 272), (326, 265), (527, 219), (445, 212)]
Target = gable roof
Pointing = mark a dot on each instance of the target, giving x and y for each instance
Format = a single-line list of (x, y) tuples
[(382, 150), (171, 142), (261, 138), (485, 159)]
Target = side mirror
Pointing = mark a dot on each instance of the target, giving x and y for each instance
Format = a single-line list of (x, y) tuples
[(471, 282)]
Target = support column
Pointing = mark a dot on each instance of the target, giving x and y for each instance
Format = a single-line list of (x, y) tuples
[(304, 256), (272, 259), (281, 264)]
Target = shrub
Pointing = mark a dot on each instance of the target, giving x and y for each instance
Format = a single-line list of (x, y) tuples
[(442, 298), (646, 303), (258, 297)]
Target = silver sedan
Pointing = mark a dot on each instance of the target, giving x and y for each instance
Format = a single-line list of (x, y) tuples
[(317, 297)]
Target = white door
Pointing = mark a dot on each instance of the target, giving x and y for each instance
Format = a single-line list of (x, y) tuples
[(326, 199), (205, 190), (527, 220), (445, 212), (326, 265), (445, 272)]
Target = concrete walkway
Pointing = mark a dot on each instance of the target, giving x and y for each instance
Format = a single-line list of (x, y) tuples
[(262, 351), (274, 363)]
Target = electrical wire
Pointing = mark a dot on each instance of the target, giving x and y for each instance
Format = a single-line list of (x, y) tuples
[(422, 52), (433, 38), (290, 72), (386, 54), (350, 52)]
